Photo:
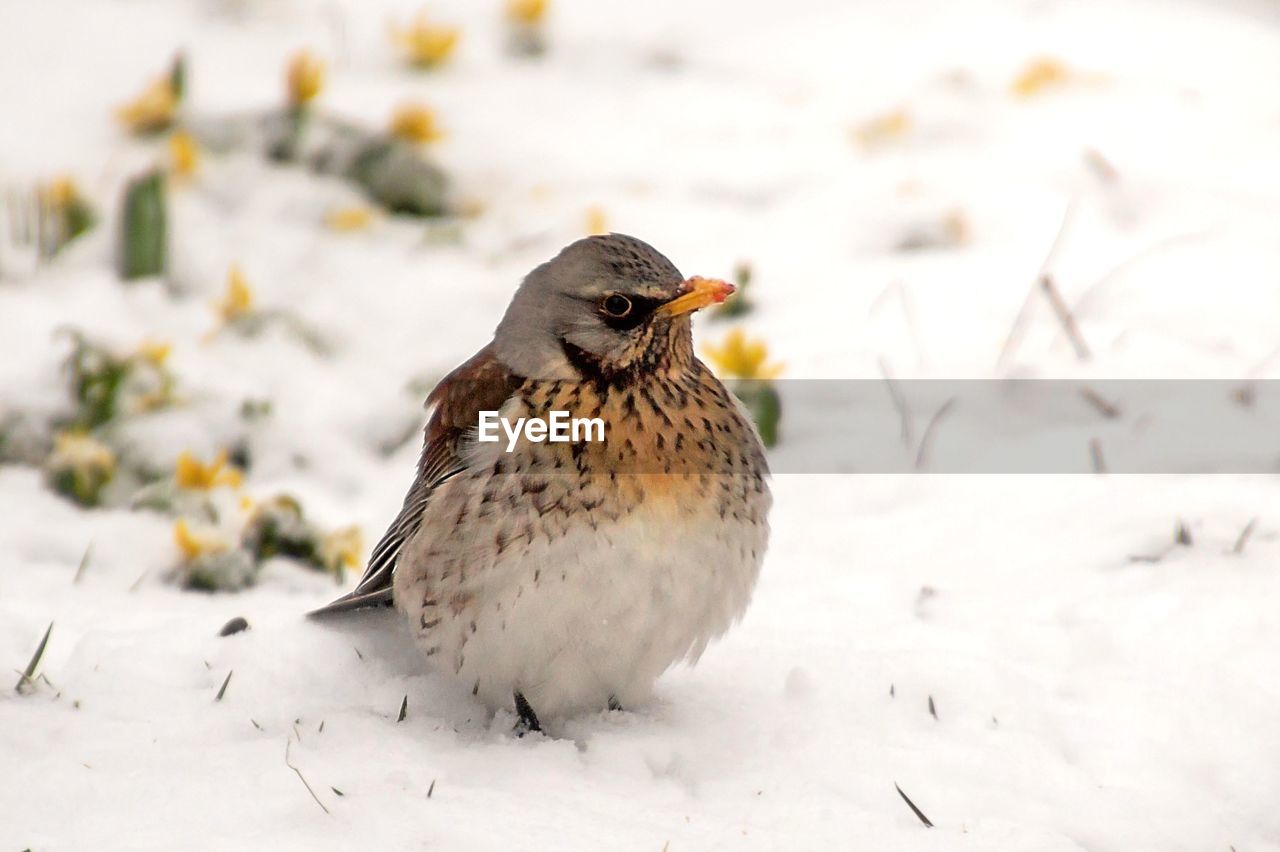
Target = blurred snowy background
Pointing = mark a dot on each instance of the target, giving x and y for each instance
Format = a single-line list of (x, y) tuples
[(1040, 663)]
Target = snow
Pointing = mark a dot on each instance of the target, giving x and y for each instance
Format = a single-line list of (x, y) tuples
[(1084, 699)]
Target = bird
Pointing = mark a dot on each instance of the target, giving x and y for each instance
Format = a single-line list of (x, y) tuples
[(558, 578)]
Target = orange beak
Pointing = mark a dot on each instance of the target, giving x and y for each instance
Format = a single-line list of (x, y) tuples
[(697, 293)]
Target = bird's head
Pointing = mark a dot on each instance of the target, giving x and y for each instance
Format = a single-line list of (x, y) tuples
[(606, 305)]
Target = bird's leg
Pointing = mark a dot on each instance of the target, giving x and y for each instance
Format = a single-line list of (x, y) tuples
[(528, 719), (614, 704)]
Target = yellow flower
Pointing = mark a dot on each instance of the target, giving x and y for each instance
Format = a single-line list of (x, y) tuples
[(195, 543), (60, 193), (153, 109), (192, 475), (154, 352), (357, 217), (304, 77), (238, 299), (77, 451), (1039, 75), (415, 123), (342, 549), (184, 153), (527, 12), (597, 222), (424, 44), (883, 128), (739, 358)]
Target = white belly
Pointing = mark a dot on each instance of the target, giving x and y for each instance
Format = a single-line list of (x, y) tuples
[(579, 615)]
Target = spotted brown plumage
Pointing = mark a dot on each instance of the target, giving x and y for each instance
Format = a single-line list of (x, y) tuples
[(563, 577)]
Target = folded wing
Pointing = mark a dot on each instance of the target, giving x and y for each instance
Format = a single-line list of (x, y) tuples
[(480, 384)]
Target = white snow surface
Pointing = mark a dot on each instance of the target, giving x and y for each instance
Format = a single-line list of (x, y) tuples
[(1083, 700)]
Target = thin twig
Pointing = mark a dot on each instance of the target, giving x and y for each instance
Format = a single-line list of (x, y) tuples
[(1245, 534), (1064, 316), (919, 813), (1109, 410), (287, 743), (1101, 166), (925, 440), (899, 402), (1095, 455), (1019, 322)]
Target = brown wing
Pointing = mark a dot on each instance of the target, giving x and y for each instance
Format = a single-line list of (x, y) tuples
[(480, 384)]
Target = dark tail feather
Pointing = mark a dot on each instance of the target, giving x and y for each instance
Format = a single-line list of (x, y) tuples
[(353, 601)]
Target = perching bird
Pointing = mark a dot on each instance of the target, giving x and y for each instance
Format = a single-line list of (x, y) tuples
[(557, 578)]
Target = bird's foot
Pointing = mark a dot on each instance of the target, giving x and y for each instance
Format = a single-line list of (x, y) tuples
[(614, 704), (528, 719)]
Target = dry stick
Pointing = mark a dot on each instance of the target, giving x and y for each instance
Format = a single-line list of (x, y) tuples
[(919, 813), (1244, 537), (1101, 166), (287, 743), (926, 439), (1019, 322), (1107, 409), (1245, 395), (1095, 453), (1064, 316), (899, 402)]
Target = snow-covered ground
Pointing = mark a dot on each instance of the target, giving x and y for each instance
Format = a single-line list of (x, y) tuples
[(1081, 698)]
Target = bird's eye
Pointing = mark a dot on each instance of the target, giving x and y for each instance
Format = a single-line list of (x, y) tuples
[(617, 306)]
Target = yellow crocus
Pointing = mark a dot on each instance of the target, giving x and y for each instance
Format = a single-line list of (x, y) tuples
[(527, 12), (154, 352), (424, 44), (739, 358), (60, 193), (597, 221), (153, 109), (342, 549), (415, 123), (1038, 75), (184, 153), (237, 301), (196, 543), (356, 217), (191, 474), (81, 452), (883, 128), (304, 77)]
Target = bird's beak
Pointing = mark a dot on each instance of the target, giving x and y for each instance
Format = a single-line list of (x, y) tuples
[(695, 294)]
